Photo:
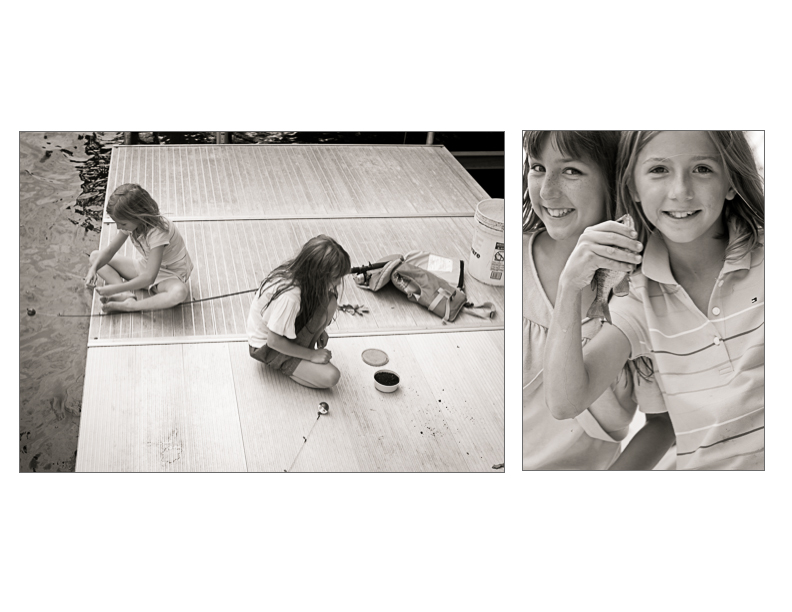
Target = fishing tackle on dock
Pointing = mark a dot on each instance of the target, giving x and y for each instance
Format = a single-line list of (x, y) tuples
[(435, 282), (324, 408), (214, 297), (357, 309)]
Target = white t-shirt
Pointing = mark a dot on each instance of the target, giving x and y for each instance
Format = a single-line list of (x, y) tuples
[(174, 255), (280, 316)]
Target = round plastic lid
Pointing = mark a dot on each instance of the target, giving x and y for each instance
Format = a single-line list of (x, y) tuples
[(375, 357)]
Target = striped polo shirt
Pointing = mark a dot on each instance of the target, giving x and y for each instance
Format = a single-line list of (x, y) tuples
[(710, 368)]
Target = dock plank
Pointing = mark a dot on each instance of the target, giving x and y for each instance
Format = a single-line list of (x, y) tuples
[(273, 419), (103, 445), (160, 409), (210, 412), (313, 180), (469, 416), (389, 432), (431, 423)]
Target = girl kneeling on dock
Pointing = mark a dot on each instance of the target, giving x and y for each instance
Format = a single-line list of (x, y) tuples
[(291, 310), (164, 265)]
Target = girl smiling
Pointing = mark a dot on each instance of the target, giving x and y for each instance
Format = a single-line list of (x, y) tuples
[(696, 308), (570, 179)]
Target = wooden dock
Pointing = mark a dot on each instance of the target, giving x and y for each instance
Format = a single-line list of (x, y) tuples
[(175, 390)]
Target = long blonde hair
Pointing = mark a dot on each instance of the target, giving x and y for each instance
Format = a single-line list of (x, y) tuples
[(130, 202), (744, 213)]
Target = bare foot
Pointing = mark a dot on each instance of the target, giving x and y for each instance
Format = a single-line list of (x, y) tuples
[(127, 305), (118, 297)]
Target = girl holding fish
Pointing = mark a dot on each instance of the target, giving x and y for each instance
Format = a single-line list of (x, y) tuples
[(291, 310), (163, 265), (570, 185), (695, 307)]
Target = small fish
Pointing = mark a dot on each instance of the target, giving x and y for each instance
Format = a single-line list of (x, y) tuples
[(605, 281)]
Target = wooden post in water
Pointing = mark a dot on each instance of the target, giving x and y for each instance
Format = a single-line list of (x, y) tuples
[(131, 138), (429, 138), (223, 137)]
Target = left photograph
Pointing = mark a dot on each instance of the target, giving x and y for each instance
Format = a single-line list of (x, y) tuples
[(262, 301)]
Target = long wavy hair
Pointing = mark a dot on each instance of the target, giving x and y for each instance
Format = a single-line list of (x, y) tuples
[(744, 213), (130, 202), (320, 262), (597, 147)]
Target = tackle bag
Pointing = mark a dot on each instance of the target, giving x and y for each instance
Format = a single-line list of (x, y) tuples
[(434, 282)]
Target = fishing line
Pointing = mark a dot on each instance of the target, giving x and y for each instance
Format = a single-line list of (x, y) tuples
[(323, 409), (31, 311)]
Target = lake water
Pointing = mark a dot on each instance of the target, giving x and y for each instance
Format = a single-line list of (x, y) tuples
[(58, 225), (62, 180)]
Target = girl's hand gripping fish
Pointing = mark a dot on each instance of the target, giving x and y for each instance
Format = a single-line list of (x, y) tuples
[(605, 281)]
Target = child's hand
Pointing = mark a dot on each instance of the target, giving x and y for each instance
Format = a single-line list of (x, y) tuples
[(321, 355), (323, 340), (600, 246), (104, 291), (90, 279)]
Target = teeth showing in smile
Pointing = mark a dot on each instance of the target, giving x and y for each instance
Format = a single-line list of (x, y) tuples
[(557, 213), (680, 215)]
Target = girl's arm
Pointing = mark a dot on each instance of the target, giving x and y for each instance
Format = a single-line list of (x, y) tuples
[(105, 255), (574, 378), (292, 349), (139, 282), (648, 446)]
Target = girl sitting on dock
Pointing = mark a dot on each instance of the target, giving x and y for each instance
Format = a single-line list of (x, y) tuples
[(291, 310), (571, 185), (163, 267), (696, 305)]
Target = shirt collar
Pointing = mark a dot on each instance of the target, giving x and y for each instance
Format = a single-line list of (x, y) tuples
[(655, 261), (742, 264), (747, 260)]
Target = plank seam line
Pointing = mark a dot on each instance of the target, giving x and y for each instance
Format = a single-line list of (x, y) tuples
[(323, 145), (243, 337), (193, 218), (239, 415)]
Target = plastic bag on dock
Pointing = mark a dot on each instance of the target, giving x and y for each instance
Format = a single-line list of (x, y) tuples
[(435, 282)]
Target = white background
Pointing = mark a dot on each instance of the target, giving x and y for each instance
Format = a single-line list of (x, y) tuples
[(537, 541)]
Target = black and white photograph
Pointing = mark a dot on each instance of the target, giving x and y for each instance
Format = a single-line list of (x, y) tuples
[(643, 300), (262, 301), (272, 354)]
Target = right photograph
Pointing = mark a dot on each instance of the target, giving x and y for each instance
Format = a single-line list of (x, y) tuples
[(643, 300)]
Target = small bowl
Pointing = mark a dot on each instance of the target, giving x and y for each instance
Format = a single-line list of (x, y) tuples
[(387, 385)]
